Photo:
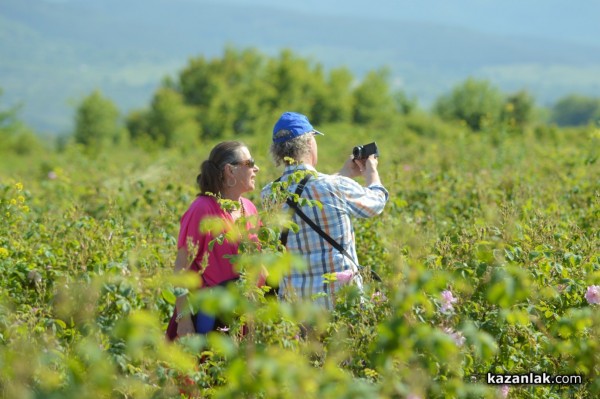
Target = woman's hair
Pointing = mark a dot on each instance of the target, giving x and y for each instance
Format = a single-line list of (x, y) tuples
[(296, 148), (210, 179)]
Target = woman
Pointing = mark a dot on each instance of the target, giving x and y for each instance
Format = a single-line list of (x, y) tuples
[(228, 173)]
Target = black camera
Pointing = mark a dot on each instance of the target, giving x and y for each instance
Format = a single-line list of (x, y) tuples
[(364, 151)]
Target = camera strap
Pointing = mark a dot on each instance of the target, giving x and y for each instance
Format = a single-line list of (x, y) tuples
[(293, 205), (285, 232)]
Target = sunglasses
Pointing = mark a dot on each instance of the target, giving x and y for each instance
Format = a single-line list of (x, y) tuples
[(248, 162)]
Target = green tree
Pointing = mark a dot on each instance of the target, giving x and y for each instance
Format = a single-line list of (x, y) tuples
[(230, 94), (14, 135), (405, 105), (518, 109), (240, 92), (9, 124), (97, 122), (373, 102), (476, 102), (335, 102), (170, 121), (138, 124), (575, 110), (296, 85)]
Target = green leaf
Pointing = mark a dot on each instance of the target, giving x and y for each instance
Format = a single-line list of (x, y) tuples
[(169, 296), (60, 323)]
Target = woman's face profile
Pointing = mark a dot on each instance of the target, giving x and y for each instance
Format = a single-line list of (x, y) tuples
[(245, 171)]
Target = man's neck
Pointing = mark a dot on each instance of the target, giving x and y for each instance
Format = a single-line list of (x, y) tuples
[(307, 165), (308, 161)]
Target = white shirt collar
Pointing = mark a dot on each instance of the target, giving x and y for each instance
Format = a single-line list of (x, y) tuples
[(301, 166)]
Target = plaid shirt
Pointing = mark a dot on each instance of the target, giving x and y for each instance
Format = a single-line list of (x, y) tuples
[(341, 198)]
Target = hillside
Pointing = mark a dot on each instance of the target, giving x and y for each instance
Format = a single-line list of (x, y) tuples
[(574, 21), (53, 53)]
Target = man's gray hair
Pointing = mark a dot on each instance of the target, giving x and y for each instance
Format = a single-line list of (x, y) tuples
[(296, 148)]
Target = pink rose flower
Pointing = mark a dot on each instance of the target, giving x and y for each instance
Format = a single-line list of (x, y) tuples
[(593, 294), (344, 277), (378, 297), (447, 301), (458, 337)]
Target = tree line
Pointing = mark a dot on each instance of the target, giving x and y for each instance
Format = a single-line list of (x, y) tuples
[(239, 94)]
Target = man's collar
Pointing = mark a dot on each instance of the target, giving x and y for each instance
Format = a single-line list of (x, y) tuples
[(301, 166)]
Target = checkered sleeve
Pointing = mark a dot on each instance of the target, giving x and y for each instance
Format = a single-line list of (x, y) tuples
[(362, 202)]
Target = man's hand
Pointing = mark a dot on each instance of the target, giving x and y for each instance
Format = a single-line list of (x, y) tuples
[(366, 168), (369, 164), (352, 168), (369, 171)]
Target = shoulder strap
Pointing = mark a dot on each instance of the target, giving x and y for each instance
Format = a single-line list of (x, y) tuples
[(326, 236), (284, 233)]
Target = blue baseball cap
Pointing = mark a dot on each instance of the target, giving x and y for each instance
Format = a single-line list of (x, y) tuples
[(291, 125)]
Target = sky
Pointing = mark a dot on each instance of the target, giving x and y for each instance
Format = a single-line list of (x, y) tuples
[(569, 20)]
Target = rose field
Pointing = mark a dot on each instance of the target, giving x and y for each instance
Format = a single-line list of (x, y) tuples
[(489, 252)]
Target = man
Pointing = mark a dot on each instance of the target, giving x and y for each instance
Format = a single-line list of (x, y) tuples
[(294, 146)]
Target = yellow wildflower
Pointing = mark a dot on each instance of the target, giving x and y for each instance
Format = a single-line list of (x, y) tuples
[(13, 201), (3, 253), (21, 199), (19, 186)]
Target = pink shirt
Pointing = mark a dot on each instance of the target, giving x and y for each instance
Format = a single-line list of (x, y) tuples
[(219, 268)]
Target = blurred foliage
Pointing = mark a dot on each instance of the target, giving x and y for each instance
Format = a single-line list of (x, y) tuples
[(474, 102), (576, 110), (168, 123), (242, 92), (97, 123), (15, 136), (374, 104), (518, 109)]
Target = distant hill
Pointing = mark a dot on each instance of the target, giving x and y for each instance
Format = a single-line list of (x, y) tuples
[(575, 20), (54, 53)]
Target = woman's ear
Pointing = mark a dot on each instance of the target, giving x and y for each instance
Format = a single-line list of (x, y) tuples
[(228, 170)]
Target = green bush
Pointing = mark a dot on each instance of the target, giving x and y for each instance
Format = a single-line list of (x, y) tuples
[(475, 102), (486, 250), (576, 110)]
